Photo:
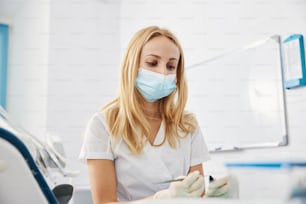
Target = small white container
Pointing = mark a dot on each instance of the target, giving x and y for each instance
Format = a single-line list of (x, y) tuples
[(266, 180)]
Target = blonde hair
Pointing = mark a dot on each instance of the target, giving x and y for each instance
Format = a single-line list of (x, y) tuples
[(124, 115)]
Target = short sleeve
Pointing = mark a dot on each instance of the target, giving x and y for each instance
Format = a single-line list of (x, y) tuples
[(97, 140), (199, 150)]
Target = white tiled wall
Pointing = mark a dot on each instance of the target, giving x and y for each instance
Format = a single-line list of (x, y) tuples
[(63, 66), (28, 63), (65, 57), (83, 69)]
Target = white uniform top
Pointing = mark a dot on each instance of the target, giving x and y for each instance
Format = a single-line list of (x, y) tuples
[(138, 176)]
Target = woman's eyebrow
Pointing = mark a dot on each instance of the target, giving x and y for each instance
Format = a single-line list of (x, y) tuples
[(153, 55)]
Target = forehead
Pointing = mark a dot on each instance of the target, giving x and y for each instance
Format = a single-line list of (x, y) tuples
[(161, 46)]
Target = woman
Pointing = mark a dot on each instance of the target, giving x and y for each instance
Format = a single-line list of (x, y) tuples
[(144, 136)]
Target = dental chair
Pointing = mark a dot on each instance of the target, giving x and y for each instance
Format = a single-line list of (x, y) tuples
[(20, 178)]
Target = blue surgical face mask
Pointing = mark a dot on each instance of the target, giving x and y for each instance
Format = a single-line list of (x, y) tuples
[(154, 86)]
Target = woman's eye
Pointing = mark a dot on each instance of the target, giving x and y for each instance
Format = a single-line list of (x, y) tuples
[(152, 64), (171, 67)]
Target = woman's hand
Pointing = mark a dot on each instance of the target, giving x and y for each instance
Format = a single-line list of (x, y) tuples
[(225, 187), (191, 186)]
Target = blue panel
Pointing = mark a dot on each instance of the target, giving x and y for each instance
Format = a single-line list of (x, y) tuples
[(274, 165), (301, 80), (3, 63)]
